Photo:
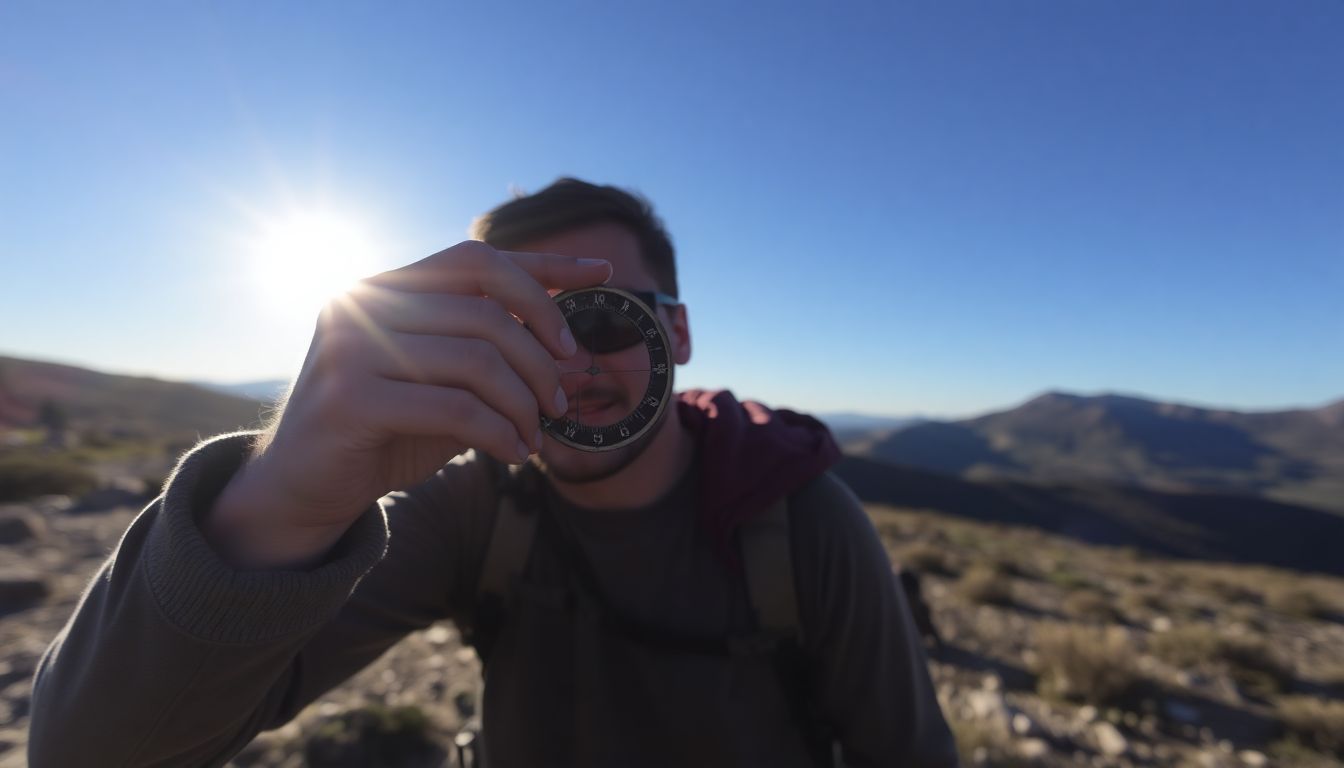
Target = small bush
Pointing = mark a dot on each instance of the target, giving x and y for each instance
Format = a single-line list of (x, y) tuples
[(926, 558), (1256, 668), (374, 735), (982, 585), (1317, 723), (1091, 605), (1069, 580), (1186, 646), (1136, 602), (1085, 664), (1232, 593), (980, 744), (1298, 602), (1248, 660), (25, 477)]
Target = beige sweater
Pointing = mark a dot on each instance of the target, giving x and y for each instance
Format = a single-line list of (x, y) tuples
[(174, 659)]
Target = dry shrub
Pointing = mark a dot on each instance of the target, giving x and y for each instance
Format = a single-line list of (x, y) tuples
[(1316, 723), (1248, 660), (1006, 564), (1137, 602), (1298, 602), (1086, 664), (982, 585), (1067, 579), (375, 735), (981, 744), (24, 477), (1186, 645), (1256, 667), (1231, 592), (926, 558), (1091, 605)]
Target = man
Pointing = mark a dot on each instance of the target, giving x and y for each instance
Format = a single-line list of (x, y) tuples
[(277, 564)]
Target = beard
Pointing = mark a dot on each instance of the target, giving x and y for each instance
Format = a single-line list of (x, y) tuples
[(576, 467)]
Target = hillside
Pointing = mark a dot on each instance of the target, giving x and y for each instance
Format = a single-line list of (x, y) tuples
[(1204, 526), (1294, 456), (117, 407)]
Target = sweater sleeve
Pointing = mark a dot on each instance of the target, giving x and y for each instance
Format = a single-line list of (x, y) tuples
[(173, 658), (870, 674)]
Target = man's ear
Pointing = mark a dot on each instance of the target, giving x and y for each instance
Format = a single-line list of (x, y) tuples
[(679, 334)]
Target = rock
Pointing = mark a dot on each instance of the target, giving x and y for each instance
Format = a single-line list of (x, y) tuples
[(1087, 713), (438, 635), (21, 590), (121, 492), (1023, 726), (18, 527), (1033, 749), (1252, 758), (1161, 624), (1109, 739), (52, 503), (988, 705)]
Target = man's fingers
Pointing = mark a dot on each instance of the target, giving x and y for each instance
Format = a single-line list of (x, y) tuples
[(470, 364), (474, 268), (404, 408), (389, 318), (562, 272)]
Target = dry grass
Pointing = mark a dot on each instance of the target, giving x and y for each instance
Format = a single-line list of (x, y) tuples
[(1249, 660), (1298, 602), (1316, 723), (926, 558), (1087, 664), (983, 585), (1091, 605)]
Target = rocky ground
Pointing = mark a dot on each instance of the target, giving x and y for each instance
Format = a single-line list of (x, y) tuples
[(1053, 653)]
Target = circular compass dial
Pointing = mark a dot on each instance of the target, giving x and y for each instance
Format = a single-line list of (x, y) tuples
[(620, 380)]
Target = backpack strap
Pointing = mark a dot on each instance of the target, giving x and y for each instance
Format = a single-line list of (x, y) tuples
[(506, 556), (767, 558), (510, 545)]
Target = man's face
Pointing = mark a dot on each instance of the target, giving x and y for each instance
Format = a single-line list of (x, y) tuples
[(607, 397)]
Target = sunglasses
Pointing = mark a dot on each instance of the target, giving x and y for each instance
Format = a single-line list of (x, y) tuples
[(603, 332)]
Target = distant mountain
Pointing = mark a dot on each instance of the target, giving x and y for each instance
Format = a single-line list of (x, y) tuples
[(267, 391), (118, 406), (1294, 456), (1206, 526), (852, 428)]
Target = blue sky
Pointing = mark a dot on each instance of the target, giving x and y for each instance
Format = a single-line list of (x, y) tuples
[(938, 208)]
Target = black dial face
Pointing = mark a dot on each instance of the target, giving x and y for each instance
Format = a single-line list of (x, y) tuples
[(620, 380)]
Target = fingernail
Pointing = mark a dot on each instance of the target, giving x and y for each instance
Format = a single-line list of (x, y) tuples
[(594, 263), (561, 402), (567, 342), (523, 451), (536, 440)]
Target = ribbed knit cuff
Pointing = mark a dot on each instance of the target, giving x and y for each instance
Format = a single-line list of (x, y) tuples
[(207, 598)]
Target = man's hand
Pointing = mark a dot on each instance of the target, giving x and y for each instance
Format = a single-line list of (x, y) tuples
[(409, 369)]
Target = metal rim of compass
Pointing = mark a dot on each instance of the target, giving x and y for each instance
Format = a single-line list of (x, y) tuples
[(600, 438)]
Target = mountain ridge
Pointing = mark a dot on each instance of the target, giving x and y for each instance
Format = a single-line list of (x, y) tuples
[(1293, 455)]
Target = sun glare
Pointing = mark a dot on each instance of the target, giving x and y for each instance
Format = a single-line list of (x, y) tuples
[(302, 259)]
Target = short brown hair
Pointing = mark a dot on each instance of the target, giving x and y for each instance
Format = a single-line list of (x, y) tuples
[(571, 203)]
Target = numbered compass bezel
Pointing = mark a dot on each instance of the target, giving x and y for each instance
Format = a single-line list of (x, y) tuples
[(635, 424)]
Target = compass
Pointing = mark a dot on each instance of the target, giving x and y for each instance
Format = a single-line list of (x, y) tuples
[(621, 374)]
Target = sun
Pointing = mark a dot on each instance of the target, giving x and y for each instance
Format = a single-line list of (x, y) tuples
[(301, 259)]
